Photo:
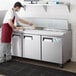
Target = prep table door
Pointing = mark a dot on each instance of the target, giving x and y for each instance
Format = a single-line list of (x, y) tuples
[(51, 49), (31, 46), (16, 46)]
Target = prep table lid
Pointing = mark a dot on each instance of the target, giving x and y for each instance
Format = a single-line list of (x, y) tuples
[(59, 24)]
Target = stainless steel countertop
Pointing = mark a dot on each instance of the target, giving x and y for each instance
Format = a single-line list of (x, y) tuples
[(42, 32)]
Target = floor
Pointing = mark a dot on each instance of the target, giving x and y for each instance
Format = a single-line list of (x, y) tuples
[(25, 68), (70, 66)]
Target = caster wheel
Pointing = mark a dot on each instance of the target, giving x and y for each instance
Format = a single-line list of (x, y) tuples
[(61, 65), (69, 60)]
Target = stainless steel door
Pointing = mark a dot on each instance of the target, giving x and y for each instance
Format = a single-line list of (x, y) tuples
[(51, 49), (16, 46), (31, 46)]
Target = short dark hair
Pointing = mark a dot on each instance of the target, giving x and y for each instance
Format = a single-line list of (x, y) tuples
[(18, 4)]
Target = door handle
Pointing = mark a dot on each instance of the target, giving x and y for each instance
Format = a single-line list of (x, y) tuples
[(15, 35), (28, 37), (48, 39)]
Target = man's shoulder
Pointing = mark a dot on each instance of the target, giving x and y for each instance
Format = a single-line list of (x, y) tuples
[(10, 11)]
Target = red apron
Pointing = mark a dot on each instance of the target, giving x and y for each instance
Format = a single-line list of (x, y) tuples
[(6, 32)]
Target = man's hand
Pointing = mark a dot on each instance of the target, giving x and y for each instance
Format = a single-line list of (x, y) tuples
[(30, 24), (19, 28), (33, 27)]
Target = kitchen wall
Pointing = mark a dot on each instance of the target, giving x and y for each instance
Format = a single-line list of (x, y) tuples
[(52, 12), (2, 14), (7, 4), (58, 11), (73, 22)]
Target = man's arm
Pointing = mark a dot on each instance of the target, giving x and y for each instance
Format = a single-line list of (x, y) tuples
[(11, 24), (25, 22)]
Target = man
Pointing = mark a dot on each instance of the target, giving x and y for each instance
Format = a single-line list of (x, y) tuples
[(7, 29)]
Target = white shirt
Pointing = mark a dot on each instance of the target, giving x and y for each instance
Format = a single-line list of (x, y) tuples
[(10, 15)]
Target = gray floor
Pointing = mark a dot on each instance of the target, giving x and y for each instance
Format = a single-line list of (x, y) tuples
[(70, 66), (17, 67), (23, 67)]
